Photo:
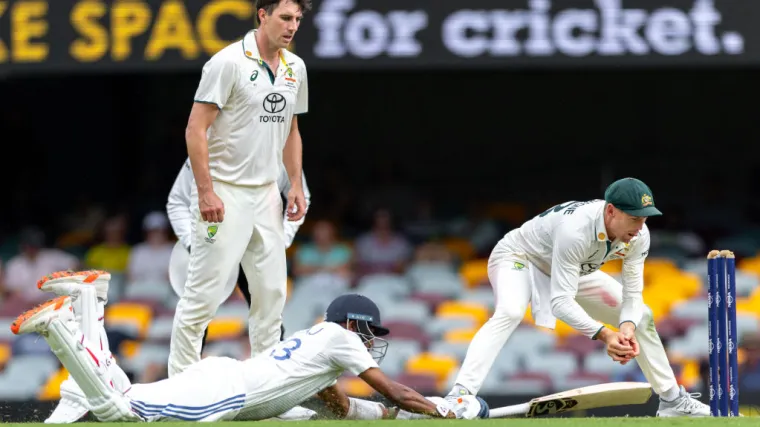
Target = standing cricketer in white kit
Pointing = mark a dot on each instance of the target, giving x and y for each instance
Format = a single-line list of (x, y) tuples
[(179, 212), (242, 127), (552, 262), (309, 363)]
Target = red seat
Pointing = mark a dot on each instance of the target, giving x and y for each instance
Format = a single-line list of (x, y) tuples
[(423, 384), (407, 331)]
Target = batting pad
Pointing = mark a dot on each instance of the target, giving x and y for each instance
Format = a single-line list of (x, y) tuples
[(82, 363), (86, 310)]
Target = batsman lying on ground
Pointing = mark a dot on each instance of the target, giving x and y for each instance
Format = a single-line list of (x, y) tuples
[(552, 262), (220, 388)]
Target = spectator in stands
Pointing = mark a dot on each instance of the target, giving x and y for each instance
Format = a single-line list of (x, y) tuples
[(149, 260), (112, 254), (423, 226), (433, 252), (324, 255), (35, 260), (382, 250)]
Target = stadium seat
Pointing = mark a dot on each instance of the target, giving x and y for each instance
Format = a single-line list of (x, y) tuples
[(477, 312), (238, 309), (579, 379), (24, 375), (51, 390), (435, 365), (556, 364), (429, 271), (399, 351), (437, 326), (749, 265), (475, 272), (460, 335), (580, 345), (222, 328), (600, 363), (147, 291), (528, 384), (355, 387), (132, 319), (5, 354), (450, 286), (695, 309), (393, 285), (462, 248), (227, 348), (408, 331), (160, 329), (421, 383), (148, 354), (483, 296), (432, 301), (5, 328), (453, 349), (408, 311)]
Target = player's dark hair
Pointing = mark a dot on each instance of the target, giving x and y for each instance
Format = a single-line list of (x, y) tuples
[(270, 5)]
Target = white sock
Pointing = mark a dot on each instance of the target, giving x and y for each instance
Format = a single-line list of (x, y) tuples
[(671, 394)]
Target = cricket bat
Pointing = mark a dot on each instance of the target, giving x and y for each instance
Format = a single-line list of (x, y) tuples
[(595, 396)]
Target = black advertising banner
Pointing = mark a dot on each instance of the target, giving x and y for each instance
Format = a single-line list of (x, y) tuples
[(534, 33), (126, 35)]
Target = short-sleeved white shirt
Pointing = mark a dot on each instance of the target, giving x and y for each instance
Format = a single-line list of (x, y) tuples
[(301, 366), (256, 105)]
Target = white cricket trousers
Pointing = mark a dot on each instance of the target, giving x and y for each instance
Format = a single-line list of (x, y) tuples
[(598, 293), (250, 235)]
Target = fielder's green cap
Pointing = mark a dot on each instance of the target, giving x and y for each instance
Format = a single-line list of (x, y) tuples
[(631, 196)]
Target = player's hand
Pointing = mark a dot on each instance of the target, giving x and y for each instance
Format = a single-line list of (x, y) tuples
[(211, 207), (296, 203), (628, 329), (618, 346)]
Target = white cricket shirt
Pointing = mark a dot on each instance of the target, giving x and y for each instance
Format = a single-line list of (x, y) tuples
[(180, 216), (300, 367), (256, 105), (569, 241)]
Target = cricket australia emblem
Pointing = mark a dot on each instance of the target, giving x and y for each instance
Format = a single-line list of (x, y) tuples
[(211, 232)]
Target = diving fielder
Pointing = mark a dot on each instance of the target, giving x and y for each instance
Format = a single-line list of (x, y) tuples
[(552, 262), (179, 213), (242, 127), (219, 388)]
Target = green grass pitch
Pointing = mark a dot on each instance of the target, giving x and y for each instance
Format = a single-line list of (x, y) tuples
[(511, 422)]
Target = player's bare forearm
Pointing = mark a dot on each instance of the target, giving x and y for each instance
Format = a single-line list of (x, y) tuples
[(201, 118), (292, 155), (403, 396)]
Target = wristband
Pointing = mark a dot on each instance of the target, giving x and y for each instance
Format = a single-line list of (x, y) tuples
[(596, 335)]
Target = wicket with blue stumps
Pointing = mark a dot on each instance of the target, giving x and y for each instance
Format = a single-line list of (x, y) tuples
[(721, 298)]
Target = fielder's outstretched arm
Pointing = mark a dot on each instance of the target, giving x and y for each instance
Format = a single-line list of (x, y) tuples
[(406, 398)]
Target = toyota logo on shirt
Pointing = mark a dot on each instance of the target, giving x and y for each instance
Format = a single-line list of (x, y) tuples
[(274, 103)]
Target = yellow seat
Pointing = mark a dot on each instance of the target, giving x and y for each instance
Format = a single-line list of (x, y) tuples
[(138, 315), (461, 335), (612, 267), (437, 365), (478, 312), (129, 348), (462, 248), (5, 353), (355, 387), (52, 388), (475, 272), (690, 374), (223, 328), (750, 265)]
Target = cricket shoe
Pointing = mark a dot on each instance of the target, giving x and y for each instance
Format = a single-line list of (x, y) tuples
[(37, 319), (70, 282), (71, 407), (298, 413), (685, 405)]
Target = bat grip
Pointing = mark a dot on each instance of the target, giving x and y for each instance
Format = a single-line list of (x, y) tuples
[(507, 411)]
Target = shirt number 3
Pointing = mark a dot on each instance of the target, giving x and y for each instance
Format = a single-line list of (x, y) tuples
[(286, 349)]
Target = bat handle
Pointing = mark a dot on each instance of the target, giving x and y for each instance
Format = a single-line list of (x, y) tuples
[(508, 411)]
